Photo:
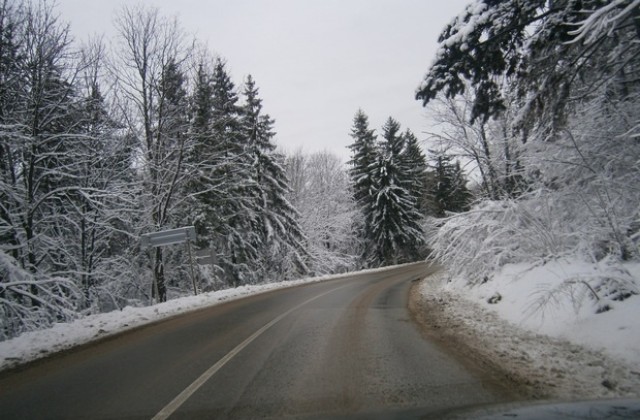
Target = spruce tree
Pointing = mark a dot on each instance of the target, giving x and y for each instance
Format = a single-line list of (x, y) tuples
[(201, 108), (280, 238), (226, 197), (166, 169), (364, 151), (448, 189), (201, 188), (363, 154), (392, 215), (417, 166)]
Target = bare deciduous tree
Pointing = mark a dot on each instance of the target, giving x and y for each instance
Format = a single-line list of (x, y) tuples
[(152, 56)]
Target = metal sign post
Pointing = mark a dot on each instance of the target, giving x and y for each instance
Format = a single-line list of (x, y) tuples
[(193, 277), (171, 237)]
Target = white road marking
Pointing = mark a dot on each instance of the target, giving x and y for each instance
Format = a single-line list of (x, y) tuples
[(191, 389)]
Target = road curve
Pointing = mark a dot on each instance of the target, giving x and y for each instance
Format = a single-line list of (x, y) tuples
[(343, 348)]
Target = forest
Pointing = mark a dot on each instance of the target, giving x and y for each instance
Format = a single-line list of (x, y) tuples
[(533, 156), (102, 143)]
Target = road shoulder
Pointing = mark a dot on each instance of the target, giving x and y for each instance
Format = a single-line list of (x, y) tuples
[(536, 366)]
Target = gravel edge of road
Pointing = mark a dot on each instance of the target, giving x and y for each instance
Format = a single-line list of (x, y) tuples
[(537, 367)]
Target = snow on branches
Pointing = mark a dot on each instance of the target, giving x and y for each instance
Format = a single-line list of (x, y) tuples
[(554, 96)]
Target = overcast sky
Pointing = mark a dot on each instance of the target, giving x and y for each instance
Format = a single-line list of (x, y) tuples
[(315, 61)]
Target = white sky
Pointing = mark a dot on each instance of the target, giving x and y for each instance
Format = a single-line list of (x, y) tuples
[(315, 61)]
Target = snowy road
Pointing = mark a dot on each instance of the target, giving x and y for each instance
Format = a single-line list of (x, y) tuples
[(340, 347)]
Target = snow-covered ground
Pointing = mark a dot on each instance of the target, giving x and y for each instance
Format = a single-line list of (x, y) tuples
[(543, 330), (37, 344)]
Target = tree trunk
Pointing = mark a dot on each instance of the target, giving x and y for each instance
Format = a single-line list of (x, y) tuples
[(158, 273)]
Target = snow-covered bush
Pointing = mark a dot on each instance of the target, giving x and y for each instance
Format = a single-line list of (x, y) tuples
[(583, 203), (29, 302), (560, 81), (495, 233)]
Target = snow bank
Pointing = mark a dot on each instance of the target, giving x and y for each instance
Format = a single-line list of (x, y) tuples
[(528, 323), (38, 344), (540, 299)]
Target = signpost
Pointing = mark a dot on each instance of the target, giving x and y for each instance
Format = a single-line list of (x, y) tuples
[(168, 237), (206, 256), (171, 237)]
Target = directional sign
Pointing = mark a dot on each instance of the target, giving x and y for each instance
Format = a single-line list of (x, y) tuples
[(206, 256), (201, 253), (207, 261), (168, 237)]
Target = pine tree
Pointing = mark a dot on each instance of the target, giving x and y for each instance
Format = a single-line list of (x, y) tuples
[(229, 207), (201, 108), (364, 151), (201, 188), (449, 192), (417, 164), (363, 154), (281, 242), (392, 215)]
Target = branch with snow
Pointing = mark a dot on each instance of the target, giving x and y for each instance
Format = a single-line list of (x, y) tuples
[(604, 20), (29, 303)]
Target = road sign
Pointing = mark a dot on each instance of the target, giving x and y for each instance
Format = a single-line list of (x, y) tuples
[(207, 261), (206, 256), (171, 237), (168, 237), (203, 252)]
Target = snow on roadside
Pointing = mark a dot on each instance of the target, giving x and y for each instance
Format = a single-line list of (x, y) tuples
[(555, 344), (38, 344)]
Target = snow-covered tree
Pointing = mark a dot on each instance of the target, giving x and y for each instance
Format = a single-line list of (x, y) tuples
[(556, 84), (100, 216), (448, 189), (150, 79), (554, 52), (417, 165), (393, 215), (225, 188), (281, 242), (364, 152), (487, 148), (320, 190), (38, 164), (11, 98)]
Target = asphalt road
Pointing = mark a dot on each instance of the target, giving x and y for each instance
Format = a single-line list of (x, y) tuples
[(343, 349)]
